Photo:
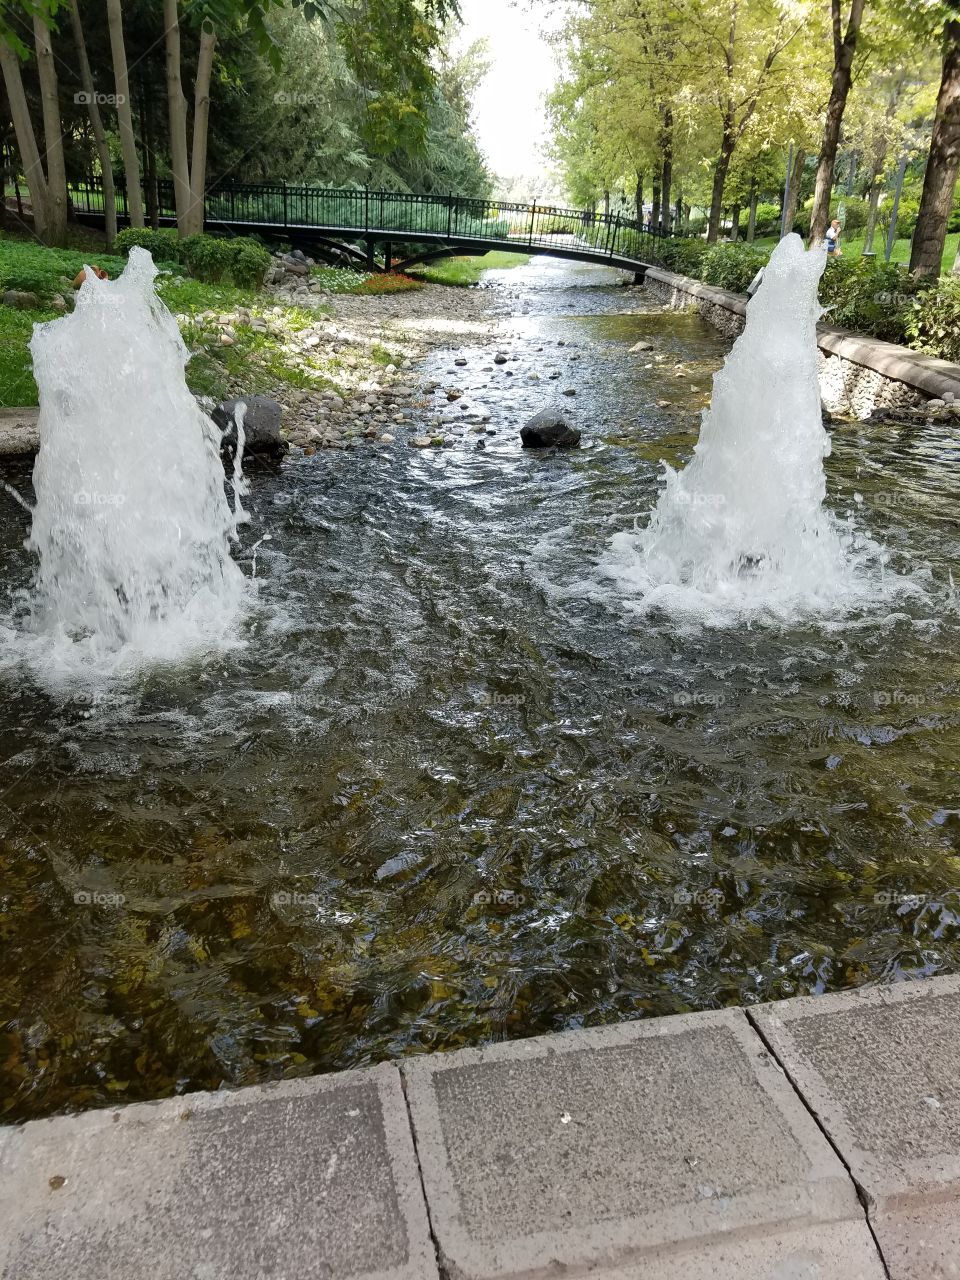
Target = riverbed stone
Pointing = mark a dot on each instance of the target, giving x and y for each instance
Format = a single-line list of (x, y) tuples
[(645, 1151), (305, 1178), (879, 1071), (261, 426), (548, 429)]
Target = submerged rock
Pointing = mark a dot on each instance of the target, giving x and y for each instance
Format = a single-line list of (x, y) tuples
[(641, 346), (549, 429), (261, 426)]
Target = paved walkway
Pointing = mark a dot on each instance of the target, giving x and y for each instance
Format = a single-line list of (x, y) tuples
[(815, 1139)]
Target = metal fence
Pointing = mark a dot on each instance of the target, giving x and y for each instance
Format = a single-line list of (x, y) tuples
[(357, 213)]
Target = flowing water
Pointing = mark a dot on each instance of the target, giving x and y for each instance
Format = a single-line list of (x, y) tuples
[(458, 785)]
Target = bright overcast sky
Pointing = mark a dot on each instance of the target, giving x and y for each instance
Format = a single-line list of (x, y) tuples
[(509, 109)]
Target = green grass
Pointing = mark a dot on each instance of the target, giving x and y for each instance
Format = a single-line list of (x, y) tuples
[(467, 270), (257, 362), (852, 247), (31, 268)]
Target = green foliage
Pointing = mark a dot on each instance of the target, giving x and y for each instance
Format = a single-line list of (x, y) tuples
[(731, 266), (249, 260), (683, 256), (870, 297), (163, 245), (463, 271), (17, 386), (933, 319), (28, 266), (212, 260), (768, 219)]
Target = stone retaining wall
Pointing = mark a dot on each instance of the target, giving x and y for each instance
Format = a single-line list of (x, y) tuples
[(859, 376)]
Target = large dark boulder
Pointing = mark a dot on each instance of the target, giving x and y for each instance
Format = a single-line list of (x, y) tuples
[(261, 427), (549, 429)]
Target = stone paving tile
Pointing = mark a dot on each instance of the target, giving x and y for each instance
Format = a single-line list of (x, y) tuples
[(673, 1148), (881, 1071), (305, 1180)]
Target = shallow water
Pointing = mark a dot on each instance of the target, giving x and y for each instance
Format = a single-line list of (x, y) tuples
[(453, 790)]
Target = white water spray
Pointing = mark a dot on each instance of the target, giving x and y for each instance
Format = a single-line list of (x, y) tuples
[(742, 530), (132, 527)]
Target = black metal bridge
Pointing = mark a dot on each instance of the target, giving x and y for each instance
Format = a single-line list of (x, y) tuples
[(389, 230)]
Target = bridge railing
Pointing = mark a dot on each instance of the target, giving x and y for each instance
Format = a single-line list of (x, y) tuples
[(404, 216)]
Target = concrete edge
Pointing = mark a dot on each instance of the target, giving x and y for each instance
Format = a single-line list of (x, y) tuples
[(826, 1196), (920, 1182), (928, 374)]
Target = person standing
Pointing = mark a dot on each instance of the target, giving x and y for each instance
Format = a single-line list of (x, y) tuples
[(832, 239)]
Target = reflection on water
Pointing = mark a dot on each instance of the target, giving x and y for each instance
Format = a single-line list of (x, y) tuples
[(449, 792)]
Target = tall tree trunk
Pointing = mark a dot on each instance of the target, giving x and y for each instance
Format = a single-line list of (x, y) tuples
[(793, 195), (655, 212), (56, 233), (721, 169), (666, 146), (638, 198), (177, 106), (148, 133), (26, 140), (96, 124), (678, 219), (606, 203), (752, 218), (873, 204), (128, 141), (843, 51), (943, 163), (735, 223), (201, 120)]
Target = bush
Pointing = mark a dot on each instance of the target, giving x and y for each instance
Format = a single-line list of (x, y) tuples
[(214, 261), (163, 245), (683, 256), (875, 298), (933, 319), (768, 219), (732, 266), (206, 257), (249, 261)]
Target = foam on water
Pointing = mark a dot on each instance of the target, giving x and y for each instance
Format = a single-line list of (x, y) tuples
[(742, 531), (132, 528)]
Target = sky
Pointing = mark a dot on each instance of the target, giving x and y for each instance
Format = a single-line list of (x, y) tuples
[(509, 108)]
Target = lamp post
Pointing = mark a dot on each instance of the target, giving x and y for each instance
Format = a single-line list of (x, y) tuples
[(892, 233)]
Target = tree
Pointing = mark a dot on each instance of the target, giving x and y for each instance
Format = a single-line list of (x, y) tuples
[(128, 141), (46, 177), (96, 124), (844, 48), (943, 162)]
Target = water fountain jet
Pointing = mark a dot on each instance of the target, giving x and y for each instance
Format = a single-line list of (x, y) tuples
[(132, 528), (742, 529)]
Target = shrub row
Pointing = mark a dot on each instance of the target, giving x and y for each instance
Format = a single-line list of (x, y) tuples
[(240, 260), (878, 298)]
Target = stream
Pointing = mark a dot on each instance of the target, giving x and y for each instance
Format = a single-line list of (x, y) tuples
[(452, 789)]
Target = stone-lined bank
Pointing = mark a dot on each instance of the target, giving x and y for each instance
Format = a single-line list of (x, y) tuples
[(813, 1139), (859, 376)]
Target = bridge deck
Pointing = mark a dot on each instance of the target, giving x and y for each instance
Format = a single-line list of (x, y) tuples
[(327, 219)]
